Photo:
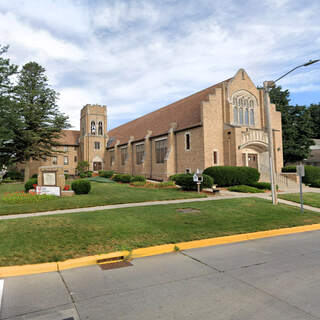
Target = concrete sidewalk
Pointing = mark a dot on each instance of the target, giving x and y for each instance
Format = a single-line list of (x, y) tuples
[(225, 194)]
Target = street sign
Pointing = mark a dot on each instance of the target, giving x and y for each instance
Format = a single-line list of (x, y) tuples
[(55, 191)]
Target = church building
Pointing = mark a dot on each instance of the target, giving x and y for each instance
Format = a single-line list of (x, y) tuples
[(223, 125)]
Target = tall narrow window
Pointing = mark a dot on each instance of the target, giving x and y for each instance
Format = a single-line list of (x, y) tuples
[(251, 117), (100, 128), (246, 117), (124, 155), (65, 149), (54, 160), (161, 150), (65, 160), (139, 153), (93, 128), (188, 146), (215, 157), (111, 158), (235, 115), (75, 159), (241, 116)]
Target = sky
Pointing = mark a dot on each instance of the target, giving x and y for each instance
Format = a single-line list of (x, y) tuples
[(137, 56)]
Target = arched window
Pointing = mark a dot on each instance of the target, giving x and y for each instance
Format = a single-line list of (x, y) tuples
[(251, 117), (235, 115), (100, 128), (241, 116), (93, 127), (246, 117), (234, 101)]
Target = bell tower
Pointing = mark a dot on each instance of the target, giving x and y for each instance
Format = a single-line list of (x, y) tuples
[(93, 134)]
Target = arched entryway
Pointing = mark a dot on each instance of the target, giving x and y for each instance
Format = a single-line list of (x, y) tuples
[(97, 164)]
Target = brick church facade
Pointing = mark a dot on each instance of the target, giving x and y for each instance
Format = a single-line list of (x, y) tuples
[(223, 125)]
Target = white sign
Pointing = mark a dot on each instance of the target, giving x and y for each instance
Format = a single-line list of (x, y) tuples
[(49, 178), (195, 178), (55, 191), (300, 170)]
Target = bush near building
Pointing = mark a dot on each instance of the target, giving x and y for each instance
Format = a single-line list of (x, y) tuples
[(81, 186), (138, 178), (315, 184), (312, 173), (106, 174), (122, 177), (185, 181), (225, 176), (30, 184)]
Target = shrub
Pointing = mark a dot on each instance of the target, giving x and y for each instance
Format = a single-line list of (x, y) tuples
[(29, 184), (125, 178), (82, 167), (245, 189), (81, 186), (262, 185), (185, 181), (34, 176), (230, 176), (106, 174), (82, 175), (13, 175), (173, 177), (315, 184), (289, 169), (117, 177), (138, 178), (88, 174), (312, 174)]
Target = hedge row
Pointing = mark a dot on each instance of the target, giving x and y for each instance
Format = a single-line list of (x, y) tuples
[(225, 176), (106, 174), (127, 178), (312, 173)]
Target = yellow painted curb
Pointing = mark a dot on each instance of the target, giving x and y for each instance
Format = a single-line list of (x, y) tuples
[(12, 271)]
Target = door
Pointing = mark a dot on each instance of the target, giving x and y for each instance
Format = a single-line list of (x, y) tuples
[(253, 160), (97, 166)]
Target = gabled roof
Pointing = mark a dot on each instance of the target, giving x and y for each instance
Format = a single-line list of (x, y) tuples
[(186, 113), (69, 138)]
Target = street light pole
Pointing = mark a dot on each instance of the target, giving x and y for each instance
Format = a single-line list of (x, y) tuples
[(267, 85)]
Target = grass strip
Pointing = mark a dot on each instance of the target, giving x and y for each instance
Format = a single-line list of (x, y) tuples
[(309, 198), (57, 238), (100, 194)]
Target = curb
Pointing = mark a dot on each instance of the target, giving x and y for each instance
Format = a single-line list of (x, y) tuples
[(12, 271)]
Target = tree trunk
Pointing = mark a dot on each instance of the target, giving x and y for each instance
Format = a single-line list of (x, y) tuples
[(27, 171)]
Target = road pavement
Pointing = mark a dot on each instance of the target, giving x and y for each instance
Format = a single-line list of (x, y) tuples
[(272, 278)]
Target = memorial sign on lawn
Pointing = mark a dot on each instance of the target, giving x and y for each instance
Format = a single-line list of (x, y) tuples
[(51, 180)]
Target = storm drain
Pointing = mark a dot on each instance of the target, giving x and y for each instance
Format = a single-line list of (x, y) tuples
[(110, 260), (115, 265)]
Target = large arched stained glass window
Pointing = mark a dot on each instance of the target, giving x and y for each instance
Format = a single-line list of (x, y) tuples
[(244, 105)]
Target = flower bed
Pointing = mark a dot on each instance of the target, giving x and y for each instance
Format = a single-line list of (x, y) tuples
[(21, 197)]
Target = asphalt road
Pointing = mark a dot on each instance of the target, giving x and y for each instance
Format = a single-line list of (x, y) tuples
[(273, 278)]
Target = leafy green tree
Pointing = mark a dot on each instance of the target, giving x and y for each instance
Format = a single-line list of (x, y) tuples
[(41, 121), (82, 166), (8, 116), (315, 116), (296, 126)]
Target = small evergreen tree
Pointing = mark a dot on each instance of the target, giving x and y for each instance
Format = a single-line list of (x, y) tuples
[(40, 121)]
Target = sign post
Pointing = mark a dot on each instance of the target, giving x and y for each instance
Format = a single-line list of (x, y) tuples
[(300, 173), (198, 178)]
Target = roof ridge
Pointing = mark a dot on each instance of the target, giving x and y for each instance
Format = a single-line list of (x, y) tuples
[(167, 106)]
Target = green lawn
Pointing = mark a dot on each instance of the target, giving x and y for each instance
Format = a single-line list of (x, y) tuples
[(53, 238), (309, 198), (100, 194)]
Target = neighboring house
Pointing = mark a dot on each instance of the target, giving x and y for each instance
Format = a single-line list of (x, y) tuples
[(314, 158), (224, 124)]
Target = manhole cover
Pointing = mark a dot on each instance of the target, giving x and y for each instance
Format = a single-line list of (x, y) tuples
[(188, 210), (115, 265)]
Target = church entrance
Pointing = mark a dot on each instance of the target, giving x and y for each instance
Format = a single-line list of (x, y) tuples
[(97, 166), (253, 160)]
